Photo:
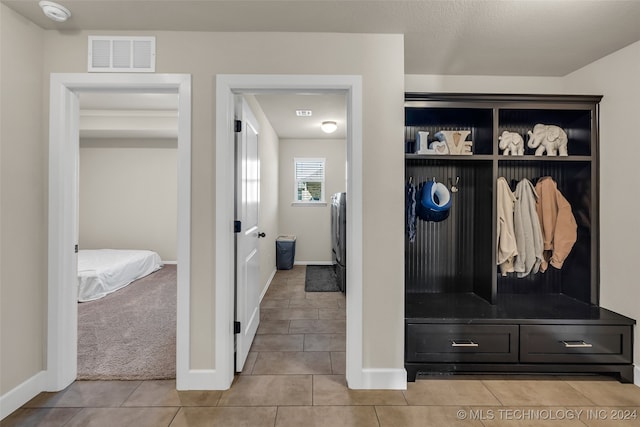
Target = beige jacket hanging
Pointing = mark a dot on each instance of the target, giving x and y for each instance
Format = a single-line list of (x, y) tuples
[(527, 228), (559, 228), (506, 248)]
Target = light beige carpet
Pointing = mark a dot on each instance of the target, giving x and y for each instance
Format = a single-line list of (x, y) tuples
[(131, 333)]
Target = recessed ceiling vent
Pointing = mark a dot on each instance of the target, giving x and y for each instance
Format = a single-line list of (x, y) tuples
[(111, 54)]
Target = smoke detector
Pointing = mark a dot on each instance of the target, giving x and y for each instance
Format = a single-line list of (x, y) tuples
[(54, 11)]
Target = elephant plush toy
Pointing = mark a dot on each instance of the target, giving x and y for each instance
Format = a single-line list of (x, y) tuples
[(512, 144), (549, 138)]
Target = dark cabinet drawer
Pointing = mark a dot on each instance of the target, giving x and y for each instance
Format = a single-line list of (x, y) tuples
[(461, 343), (575, 344)]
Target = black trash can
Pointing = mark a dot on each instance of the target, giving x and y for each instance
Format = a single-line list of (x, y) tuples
[(285, 252)]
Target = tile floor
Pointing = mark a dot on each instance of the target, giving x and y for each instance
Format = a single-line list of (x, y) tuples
[(294, 376)]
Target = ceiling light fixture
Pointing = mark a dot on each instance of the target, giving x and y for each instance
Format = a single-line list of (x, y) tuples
[(54, 11), (329, 127)]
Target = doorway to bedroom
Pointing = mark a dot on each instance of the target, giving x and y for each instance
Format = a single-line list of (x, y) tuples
[(64, 207), (127, 236)]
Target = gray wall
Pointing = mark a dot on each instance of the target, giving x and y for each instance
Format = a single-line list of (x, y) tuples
[(377, 58), (29, 54), (23, 197), (617, 77), (129, 195), (311, 224)]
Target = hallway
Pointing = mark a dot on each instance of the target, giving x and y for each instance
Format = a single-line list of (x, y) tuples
[(294, 376), (300, 332)]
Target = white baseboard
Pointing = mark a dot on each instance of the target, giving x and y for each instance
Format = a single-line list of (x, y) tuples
[(210, 379), (170, 262), (313, 263), (203, 379), (21, 394), (636, 376), (387, 379), (266, 287)]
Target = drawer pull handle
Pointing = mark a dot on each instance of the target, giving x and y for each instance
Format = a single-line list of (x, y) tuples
[(464, 343), (576, 344)]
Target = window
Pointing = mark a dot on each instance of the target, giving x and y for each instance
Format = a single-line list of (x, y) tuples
[(309, 180)]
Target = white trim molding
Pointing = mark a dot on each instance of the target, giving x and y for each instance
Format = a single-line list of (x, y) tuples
[(389, 379), (63, 216), (200, 379), (226, 87), (265, 288), (309, 204), (313, 263), (22, 393), (636, 375)]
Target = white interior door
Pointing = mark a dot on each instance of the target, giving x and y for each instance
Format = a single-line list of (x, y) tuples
[(247, 232)]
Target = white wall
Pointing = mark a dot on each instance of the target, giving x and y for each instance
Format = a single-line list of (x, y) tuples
[(23, 197), (311, 224), (617, 77), (379, 59), (268, 215), (129, 195), (483, 84)]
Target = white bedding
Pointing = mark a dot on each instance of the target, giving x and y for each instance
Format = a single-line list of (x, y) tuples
[(103, 271)]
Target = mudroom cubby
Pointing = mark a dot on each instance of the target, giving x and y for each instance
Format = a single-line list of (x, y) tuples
[(462, 315)]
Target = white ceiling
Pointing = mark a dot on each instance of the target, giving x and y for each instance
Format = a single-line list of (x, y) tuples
[(129, 101), (450, 37), (153, 115), (280, 110), (128, 115), (460, 37)]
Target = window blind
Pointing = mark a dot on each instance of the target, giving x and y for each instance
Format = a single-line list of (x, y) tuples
[(310, 170)]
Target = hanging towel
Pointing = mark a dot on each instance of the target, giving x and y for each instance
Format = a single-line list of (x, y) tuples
[(506, 248), (559, 228), (410, 205), (527, 230)]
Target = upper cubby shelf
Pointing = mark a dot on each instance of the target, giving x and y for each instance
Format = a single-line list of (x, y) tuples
[(479, 129), (475, 157), (453, 131), (560, 128)]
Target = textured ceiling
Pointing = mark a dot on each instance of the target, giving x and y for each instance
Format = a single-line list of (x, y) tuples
[(280, 109), (454, 37), (450, 37)]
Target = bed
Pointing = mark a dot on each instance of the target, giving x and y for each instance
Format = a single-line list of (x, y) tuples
[(103, 271)]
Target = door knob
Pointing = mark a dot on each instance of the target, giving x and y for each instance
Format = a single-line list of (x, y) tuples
[(261, 235)]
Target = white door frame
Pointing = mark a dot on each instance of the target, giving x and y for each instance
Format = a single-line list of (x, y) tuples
[(62, 301), (226, 87)]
